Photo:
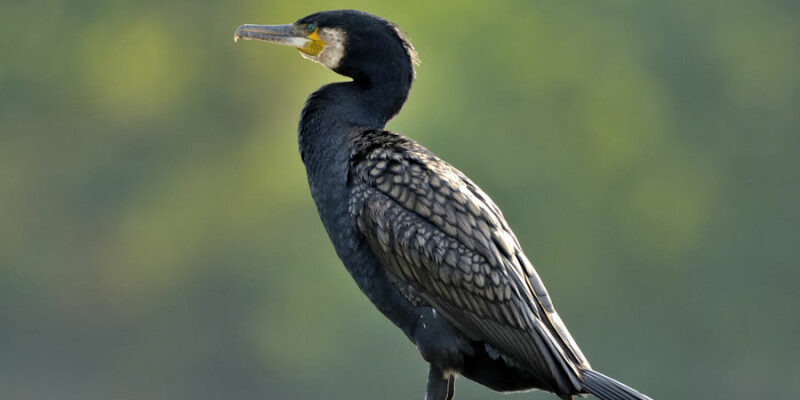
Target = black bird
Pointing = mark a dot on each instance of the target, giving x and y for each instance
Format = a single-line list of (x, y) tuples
[(424, 243)]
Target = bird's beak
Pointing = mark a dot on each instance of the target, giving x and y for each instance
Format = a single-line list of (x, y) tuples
[(287, 35)]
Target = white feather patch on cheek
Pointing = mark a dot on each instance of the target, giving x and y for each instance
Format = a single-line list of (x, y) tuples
[(330, 56)]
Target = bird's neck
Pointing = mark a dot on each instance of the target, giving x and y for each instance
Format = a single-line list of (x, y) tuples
[(383, 91), (330, 118), (335, 110)]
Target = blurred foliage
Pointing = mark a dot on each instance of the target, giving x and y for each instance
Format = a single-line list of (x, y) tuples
[(157, 238)]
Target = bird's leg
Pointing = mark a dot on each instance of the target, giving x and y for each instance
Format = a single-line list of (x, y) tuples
[(451, 386), (441, 385)]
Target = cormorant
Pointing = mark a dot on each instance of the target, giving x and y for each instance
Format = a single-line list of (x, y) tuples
[(427, 246)]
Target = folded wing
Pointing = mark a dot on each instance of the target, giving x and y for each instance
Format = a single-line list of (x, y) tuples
[(446, 244)]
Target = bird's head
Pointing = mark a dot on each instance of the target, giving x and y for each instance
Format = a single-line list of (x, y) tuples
[(352, 43)]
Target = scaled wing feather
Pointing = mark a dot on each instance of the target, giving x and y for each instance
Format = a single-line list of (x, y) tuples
[(446, 244)]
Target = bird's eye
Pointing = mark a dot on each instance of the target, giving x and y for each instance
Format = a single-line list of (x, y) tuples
[(311, 28)]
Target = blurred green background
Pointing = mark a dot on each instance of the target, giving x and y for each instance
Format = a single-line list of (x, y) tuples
[(158, 241)]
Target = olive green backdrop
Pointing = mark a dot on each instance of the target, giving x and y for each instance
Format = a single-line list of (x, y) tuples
[(158, 240)]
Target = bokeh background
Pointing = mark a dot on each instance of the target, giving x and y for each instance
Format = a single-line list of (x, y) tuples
[(158, 241)]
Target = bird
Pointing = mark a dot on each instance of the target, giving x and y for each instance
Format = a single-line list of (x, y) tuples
[(423, 242)]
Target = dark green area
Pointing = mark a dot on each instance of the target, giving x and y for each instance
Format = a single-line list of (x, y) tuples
[(158, 241)]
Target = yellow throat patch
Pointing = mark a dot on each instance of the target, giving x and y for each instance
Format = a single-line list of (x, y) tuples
[(315, 44)]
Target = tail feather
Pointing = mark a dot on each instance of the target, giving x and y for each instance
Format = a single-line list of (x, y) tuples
[(606, 388)]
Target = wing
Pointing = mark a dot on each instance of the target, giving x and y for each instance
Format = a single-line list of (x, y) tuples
[(445, 243)]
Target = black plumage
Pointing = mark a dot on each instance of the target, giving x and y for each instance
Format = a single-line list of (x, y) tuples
[(424, 243)]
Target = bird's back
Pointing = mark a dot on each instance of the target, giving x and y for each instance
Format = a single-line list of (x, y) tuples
[(445, 243)]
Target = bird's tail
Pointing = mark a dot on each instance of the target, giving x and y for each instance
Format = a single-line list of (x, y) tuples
[(606, 388)]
